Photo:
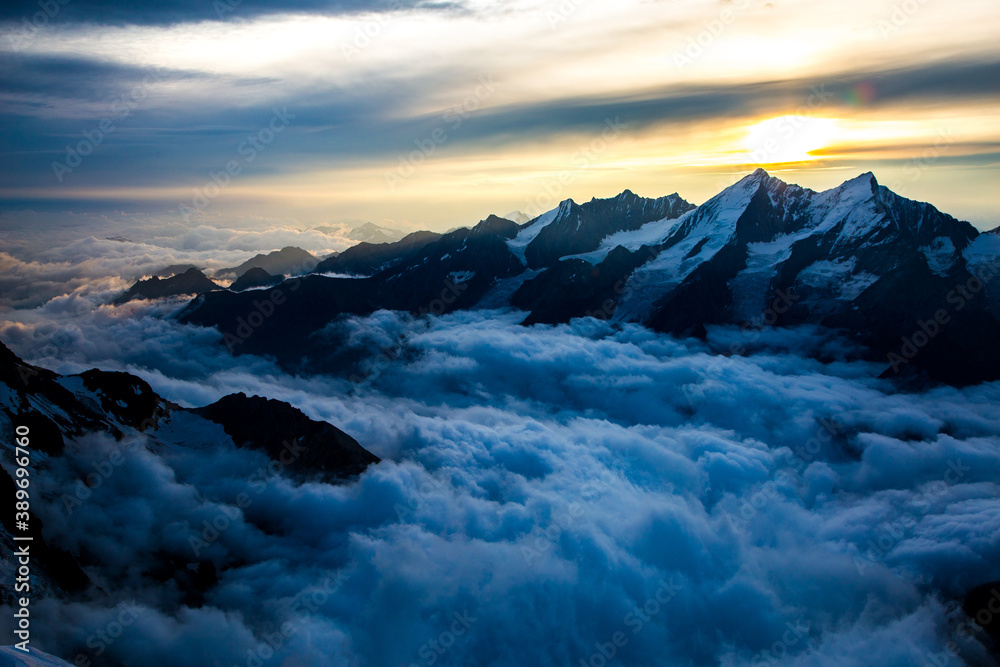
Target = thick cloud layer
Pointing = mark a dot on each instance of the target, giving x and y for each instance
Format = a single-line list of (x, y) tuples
[(42, 257), (548, 495)]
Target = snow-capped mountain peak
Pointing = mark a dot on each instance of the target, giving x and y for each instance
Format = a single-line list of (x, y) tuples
[(517, 216), (857, 257), (532, 228)]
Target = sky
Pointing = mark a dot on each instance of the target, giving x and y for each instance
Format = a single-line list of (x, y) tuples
[(428, 115)]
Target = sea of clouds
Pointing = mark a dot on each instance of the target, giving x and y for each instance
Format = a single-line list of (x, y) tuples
[(42, 256), (548, 495)]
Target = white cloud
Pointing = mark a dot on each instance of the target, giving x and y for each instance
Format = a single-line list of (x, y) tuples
[(546, 480), (46, 259)]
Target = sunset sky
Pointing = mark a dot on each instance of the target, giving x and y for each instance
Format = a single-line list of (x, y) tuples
[(434, 114)]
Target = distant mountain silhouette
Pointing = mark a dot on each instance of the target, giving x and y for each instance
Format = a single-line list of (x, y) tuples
[(255, 277), (174, 269), (287, 261), (365, 232), (369, 258), (191, 281)]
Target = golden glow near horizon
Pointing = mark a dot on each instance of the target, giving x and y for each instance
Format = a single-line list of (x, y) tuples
[(567, 52), (789, 139)]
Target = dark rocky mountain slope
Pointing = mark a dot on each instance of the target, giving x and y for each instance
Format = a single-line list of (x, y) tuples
[(191, 281), (916, 286)]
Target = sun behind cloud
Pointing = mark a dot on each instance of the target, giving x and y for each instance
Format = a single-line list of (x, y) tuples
[(787, 139)]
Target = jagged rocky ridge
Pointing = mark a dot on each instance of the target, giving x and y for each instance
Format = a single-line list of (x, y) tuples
[(289, 260), (255, 277), (916, 286), (60, 408), (191, 281)]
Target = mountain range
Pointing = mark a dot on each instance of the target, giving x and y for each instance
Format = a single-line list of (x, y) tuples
[(915, 286), (365, 232), (255, 277), (191, 281), (181, 279), (289, 260)]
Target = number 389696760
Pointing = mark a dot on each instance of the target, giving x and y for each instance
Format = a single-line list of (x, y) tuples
[(22, 460)]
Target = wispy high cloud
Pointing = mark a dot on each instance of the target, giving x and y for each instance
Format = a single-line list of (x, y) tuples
[(365, 82)]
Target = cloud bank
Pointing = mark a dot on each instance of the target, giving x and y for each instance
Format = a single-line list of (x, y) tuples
[(548, 495), (43, 257)]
